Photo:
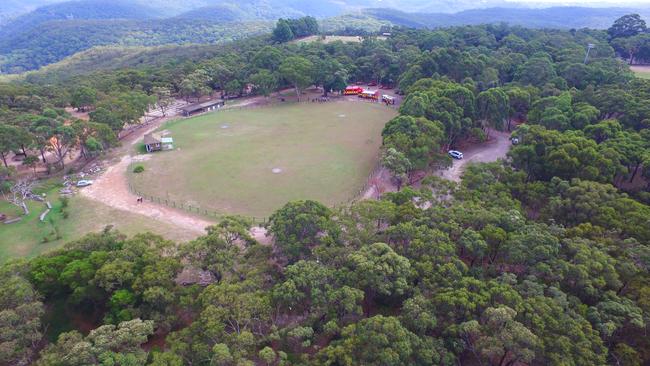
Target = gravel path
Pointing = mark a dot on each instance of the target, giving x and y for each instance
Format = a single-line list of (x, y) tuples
[(112, 188), (494, 149)]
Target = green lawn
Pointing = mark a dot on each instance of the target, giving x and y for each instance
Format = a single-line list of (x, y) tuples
[(642, 74), (26, 238), (325, 152), (330, 39)]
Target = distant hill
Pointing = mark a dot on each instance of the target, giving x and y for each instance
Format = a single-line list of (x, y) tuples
[(54, 32), (76, 10), (114, 57), (229, 10), (54, 41), (555, 17)]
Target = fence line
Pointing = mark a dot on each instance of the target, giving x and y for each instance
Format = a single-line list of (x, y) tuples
[(211, 212), (181, 205), (260, 221)]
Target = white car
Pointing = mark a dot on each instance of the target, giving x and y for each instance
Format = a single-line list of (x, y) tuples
[(84, 183), (455, 154)]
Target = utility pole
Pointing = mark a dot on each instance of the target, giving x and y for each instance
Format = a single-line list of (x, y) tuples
[(589, 47)]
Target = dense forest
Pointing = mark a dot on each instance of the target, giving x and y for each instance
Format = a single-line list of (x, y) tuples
[(541, 259), (565, 17), (54, 32)]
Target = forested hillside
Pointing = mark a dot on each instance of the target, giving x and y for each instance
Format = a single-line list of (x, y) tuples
[(555, 17), (52, 33), (540, 259), (54, 41), (76, 10)]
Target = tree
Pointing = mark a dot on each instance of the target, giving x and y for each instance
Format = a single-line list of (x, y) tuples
[(164, 99), (537, 71), (104, 345), (196, 84), (398, 164), (31, 161), (18, 194), (314, 286), (7, 141), (562, 334), (282, 32), (419, 139), (93, 137), (519, 101), (83, 98), (499, 338), (64, 139), (106, 116), (378, 270), (493, 106), (42, 129), (20, 317), (122, 108), (23, 139), (374, 341), (264, 82), (627, 26), (269, 58), (297, 71), (267, 354), (300, 225)]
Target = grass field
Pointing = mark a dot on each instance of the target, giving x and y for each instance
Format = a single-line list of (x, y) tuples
[(642, 72), (25, 238), (224, 161), (330, 39)]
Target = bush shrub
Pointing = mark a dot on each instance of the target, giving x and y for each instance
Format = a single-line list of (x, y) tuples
[(138, 169)]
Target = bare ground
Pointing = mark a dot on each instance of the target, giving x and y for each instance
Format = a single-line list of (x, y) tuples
[(494, 149), (111, 187), (640, 68)]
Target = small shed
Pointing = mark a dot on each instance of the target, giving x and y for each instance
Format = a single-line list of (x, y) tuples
[(167, 143), (152, 142), (197, 108), (155, 142)]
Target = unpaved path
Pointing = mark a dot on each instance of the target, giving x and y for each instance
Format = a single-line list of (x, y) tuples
[(640, 68), (381, 183), (492, 150), (111, 188)]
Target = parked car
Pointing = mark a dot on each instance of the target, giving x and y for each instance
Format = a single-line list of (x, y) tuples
[(84, 183), (456, 154)]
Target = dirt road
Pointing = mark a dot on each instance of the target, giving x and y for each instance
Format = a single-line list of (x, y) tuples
[(112, 188), (494, 149)]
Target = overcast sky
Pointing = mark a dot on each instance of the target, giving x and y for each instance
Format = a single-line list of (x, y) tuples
[(586, 2)]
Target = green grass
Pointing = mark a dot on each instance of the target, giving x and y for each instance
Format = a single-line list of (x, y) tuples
[(25, 238), (325, 151), (330, 39), (642, 75)]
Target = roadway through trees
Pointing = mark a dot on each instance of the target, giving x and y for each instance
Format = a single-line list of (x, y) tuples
[(111, 188)]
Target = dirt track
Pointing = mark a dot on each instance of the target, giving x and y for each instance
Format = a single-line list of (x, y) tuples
[(494, 149), (640, 68), (111, 188)]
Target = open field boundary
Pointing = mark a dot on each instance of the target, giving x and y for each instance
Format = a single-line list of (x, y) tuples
[(218, 214)]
